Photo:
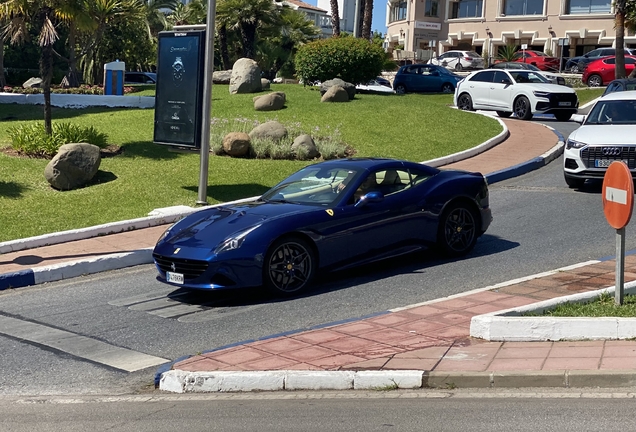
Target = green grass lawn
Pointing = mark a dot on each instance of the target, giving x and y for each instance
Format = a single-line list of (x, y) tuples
[(148, 176), (603, 306)]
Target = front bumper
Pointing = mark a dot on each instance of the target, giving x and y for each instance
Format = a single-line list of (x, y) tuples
[(557, 102), (582, 163)]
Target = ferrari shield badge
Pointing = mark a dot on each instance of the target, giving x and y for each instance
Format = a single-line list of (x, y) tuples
[(329, 212), (176, 251)]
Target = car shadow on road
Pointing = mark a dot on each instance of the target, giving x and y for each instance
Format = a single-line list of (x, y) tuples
[(334, 281)]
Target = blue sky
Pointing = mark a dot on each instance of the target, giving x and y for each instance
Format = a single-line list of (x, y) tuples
[(379, 14)]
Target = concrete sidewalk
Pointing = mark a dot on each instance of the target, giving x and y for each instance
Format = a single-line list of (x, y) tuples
[(416, 346)]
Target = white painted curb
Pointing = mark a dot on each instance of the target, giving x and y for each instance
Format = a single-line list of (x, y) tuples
[(177, 381), (79, 100), (509, 326)]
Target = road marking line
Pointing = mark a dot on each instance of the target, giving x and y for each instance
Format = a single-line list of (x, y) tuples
[(78, 346), (616, 195)]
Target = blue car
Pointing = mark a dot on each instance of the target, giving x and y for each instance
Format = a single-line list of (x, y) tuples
[(425, 78), (327, 216)]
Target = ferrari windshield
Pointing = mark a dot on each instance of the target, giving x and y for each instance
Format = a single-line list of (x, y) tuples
[(613, 112), (314, 186)]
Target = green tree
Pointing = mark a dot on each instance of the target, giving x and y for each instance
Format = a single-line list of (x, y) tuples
[(248, 16), (354, 60), (20, 15), (506, 53)]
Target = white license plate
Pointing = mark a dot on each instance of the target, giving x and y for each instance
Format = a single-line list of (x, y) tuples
[(174, 277), (565, 103), (602, 163)]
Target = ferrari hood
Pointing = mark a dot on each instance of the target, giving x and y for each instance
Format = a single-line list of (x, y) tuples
[(207, 228)]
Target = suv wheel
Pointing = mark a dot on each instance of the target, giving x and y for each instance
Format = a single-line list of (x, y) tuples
[(465, 102), (522, 108)]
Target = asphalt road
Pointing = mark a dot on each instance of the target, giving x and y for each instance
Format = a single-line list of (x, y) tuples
[(439, 411), (539, 225)]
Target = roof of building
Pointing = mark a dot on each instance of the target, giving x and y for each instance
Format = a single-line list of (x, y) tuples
[(304, 5)]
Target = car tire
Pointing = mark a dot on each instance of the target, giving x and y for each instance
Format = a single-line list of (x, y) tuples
[(522, 108), (400, 89), (289, 266), (465, 102), (575, 69), (458, 230), (574, 183), (458, 67), (504, 114), (594, 80), (448, 88), (563, 116)]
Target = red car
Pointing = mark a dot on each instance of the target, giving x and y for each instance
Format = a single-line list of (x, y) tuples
[(602, 71), (538, 59)]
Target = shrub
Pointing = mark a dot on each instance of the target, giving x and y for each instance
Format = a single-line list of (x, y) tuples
[(354, 60), (31, 139)]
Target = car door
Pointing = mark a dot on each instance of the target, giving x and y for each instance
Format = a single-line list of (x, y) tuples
[(501, 91), (479, 88), (376, 228), (430, 78)]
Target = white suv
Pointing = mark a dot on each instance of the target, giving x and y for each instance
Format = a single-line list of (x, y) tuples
[(459, 60), (606, 135), (522, 92)]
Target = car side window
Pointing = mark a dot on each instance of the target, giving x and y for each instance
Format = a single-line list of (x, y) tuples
[(610, 61), (392, 181), (501, 77), (629, 60), (418, 176), (485, 76), (411, 70)]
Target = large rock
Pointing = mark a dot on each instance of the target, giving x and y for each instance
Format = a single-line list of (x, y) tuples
[(32, 83), (73, 166), (246, 77), (335, 94), (305, 147), (222, 77), (350, 88), (270, 102), (236, 144), (265, 84), (270, 130)]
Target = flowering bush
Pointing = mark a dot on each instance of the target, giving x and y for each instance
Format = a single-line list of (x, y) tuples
[(81, 90)]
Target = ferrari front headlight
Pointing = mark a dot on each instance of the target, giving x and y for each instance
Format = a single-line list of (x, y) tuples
[(235, 241)]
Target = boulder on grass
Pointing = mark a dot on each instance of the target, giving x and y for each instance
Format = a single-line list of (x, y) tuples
[(305, 146), (73, 166), (265, 83), (270, 130), (350, 88), (246, 77), (335, 94), (270, 102), (222, 77), (236, 144)]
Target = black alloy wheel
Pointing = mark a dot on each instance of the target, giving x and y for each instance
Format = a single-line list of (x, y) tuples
[(465, 102), (447, 88), (289, 266), (458, 230), (504, 114), (522, 108)]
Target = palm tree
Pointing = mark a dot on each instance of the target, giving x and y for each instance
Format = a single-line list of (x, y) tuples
[(620, 11), (248, 16), (74, 13), (21, 14), (367, 19), (335, 17), (3, 79)]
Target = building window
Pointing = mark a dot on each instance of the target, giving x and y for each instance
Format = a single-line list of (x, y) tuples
[(430, 9), (523, 7), (466, 9), (588, 6), (398, 11)]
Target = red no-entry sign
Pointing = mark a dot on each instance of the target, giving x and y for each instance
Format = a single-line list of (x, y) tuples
[(618, 195)]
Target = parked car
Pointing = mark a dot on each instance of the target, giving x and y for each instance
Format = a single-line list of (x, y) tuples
[(553, 77), (602, 71), (309, 223), (606, 135), (459, 60), (521, 92), (621, 84), (140, 78), (383, 81), (425, 78), (579, 63), (538, 59)]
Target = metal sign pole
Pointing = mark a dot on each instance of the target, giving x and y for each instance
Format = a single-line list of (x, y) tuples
[(207, 104), (619, 288)]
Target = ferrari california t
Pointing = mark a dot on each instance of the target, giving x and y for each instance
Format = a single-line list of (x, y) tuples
[(327, 216)]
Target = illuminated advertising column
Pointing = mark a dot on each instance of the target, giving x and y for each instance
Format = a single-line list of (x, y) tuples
[(179, 93)]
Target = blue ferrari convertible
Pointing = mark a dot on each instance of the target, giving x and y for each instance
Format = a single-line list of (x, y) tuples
[(327, 216)]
